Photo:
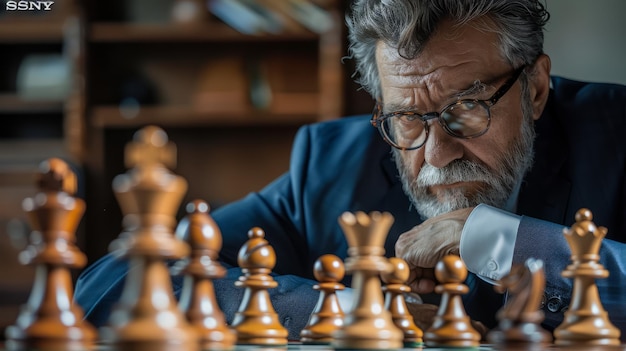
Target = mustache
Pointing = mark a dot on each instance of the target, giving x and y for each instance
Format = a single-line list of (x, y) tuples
[(454, 172)]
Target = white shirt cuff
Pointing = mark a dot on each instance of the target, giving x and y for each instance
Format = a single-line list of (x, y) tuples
[(488, 241), (345, 298)]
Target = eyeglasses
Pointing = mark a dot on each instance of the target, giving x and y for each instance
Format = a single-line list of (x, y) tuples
[(465, 119)]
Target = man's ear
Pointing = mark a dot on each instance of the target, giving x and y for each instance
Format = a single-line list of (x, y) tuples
[(539, 84)]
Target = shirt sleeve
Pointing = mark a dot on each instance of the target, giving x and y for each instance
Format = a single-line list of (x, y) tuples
[(488, 241)]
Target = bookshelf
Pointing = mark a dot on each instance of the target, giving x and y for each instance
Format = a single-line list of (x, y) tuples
[(231, 102), (35, 127)]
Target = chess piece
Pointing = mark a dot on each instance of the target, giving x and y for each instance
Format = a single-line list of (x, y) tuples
[(585, 322), (147, 316), (368, 325), (256, 321), (197, 298), (327, 316), (395, 303), (451, 326), (50, 320), (519, 320)]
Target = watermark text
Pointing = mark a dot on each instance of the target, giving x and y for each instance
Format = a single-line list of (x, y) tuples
[(29, 5)]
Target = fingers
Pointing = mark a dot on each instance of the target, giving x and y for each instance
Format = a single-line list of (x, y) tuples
[(427, 243), (425, 246), (422, 280), (425, 286), (404, 242), (418, 273)]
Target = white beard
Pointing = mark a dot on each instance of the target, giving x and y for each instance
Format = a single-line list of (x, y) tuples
[(498, 184)]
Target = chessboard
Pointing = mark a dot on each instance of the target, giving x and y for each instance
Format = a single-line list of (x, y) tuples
[(148, 317), (295, 346)]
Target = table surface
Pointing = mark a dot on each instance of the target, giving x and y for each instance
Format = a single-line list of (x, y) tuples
[(296, 346)]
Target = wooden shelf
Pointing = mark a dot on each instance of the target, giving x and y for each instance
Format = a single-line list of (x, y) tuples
[(14, 153), (12, 103), (31, 31), (209, 32), (183, 116)]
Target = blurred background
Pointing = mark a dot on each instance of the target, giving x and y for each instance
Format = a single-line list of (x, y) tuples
[(229, 80), (586, 39)]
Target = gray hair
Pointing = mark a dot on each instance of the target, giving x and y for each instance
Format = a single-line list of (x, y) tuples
[(408, 24)]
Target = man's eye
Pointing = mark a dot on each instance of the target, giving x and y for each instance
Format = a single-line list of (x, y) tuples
[(408, 117)]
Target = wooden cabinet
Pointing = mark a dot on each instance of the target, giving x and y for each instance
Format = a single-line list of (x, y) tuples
[(231, 102)]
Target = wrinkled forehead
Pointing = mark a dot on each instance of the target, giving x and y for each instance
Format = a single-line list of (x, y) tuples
[(453, 58), (450, 45)]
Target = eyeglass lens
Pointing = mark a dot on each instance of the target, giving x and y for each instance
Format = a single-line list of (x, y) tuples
[(463, 119), (466, 118)]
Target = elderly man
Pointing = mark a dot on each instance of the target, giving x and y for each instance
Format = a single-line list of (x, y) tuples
[(482, 154)]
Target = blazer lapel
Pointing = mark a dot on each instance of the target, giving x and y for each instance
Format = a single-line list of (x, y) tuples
[(546, 190)]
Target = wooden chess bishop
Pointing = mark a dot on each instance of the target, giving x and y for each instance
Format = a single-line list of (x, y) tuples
[(50, 320), (256, 322)]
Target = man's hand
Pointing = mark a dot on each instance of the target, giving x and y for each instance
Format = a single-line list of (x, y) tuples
[(424, 245)]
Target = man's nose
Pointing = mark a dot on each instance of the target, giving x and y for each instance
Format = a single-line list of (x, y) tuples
[(441, 148)]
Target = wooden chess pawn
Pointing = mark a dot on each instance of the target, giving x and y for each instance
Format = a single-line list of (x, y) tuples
[(50, 320), (256, 321), (451, 326), (585, 322), (197, 298), (395, 303), (147, 316), (520, 318), (327, 316), (368, 325)]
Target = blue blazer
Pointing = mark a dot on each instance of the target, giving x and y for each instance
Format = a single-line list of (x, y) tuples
[(344, 165)]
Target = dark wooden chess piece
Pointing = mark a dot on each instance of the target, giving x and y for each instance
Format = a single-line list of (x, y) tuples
[(368, 325), (256, 321), (519, 320), (327, 316), (451, 326), (147, 317), (197, 298), (395, 303), (50, 320), (586, 323)]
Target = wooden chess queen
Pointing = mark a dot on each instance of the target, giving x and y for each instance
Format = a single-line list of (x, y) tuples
[(585, 322), (368, 325)]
